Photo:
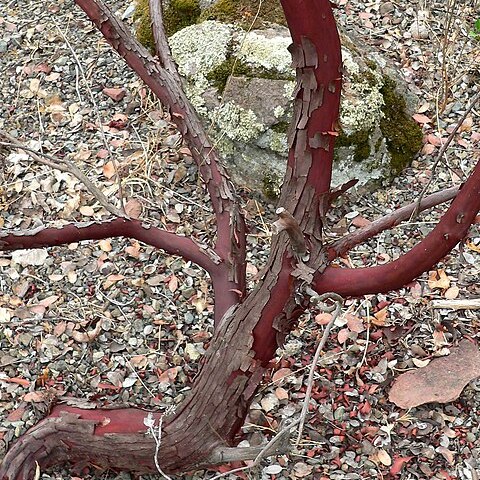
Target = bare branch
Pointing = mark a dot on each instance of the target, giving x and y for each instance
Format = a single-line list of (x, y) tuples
[(230, 223), (64, 165), (120, 227), (451, 229), (161, 43), (346, 243)]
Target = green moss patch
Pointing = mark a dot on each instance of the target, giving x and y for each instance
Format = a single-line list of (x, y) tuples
[(219, 75), (360, 140), (403, 135), (243, 12), (144, 31), (178, 14), (271, 186), (231, 66)]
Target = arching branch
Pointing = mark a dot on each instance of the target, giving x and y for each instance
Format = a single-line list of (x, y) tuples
[(451, 229)]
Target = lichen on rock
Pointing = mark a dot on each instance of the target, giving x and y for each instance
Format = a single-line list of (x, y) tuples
[(362, 99), (236, 123), (267, 50), (198, 49)]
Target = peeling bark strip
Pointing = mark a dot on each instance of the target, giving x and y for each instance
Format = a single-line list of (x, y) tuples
[(288, 223), (316, 55)]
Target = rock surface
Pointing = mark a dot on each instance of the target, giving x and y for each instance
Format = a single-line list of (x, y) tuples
[(242, 83)]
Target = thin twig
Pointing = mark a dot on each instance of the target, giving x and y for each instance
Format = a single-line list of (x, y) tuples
[(64, 165), (336, 311), (263, 452), (442, 152), (347, 242)]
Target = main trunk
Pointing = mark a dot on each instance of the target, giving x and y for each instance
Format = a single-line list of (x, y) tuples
[(203, 426)]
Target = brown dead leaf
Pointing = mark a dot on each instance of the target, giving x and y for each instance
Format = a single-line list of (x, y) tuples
[(83, 154), (421, 118), (438, 279), (87, 211), (133, 250), (59, 328), (428, 149), (447, 454), (343, 335), (281, 393), (473, 247), (354, 323), (452, 293), (379, 319), (442, 380), (281, 374), (168, 376), (109, 169), (133, 208), (173, 283), (46, 302), (84, 337), (323, 318), (34, 397), (467, 124), (105, 245), (111, 279), (434, 140), (360, 221)]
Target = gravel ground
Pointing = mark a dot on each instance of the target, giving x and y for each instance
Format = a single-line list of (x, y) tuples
[(155, 311)]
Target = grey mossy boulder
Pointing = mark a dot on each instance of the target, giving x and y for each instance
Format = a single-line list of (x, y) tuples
[(242, 83)]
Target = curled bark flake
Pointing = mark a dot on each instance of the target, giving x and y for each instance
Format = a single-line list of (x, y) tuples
[(319, 140), (303, 272), (303, 166), (288, 223), (298, 59), (316, 99), (310, 52), (300, 144), (308, 79), (296, 119), (332, 88)]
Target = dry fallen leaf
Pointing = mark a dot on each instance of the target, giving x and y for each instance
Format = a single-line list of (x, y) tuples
[(84, 337), (87, 210), (442, 380), (438, 279), (379, 319), (473, 247), (343, 335), (452, 293), (105, 245), (420, 118), (281, 393), (133, 208), (109, 169), (281, 374), (111, 279), (168, 376)]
